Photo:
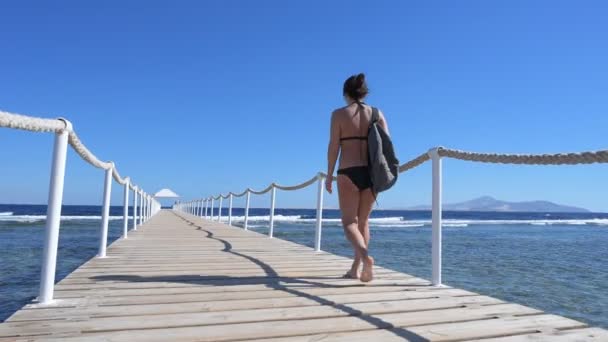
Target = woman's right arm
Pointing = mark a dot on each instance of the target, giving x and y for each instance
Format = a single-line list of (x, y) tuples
[(333, 149)]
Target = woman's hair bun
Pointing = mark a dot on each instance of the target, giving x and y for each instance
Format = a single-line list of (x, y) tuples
[(356, 87), (361, 78)]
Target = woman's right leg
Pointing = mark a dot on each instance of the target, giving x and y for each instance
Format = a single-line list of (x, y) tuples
[(366, 204), (348, 195)]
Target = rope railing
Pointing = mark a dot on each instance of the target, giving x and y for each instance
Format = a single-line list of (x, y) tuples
[(299, 186), (528, 159), (144, 205), (29, 123), (200, 207), (85, 154)]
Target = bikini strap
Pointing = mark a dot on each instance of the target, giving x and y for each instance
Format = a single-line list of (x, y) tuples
[(353, 138)]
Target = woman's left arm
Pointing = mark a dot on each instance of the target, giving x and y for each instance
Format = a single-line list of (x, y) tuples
[(332, 150)]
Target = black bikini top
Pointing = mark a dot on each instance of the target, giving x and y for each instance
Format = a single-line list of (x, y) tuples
[(359, 103)]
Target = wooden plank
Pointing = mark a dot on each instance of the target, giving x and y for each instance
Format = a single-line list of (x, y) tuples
[(264, 329), (85, 309), (575, 335), (242, 316), (477, 330)]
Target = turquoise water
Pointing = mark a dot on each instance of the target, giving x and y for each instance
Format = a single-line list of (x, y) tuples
[(553, 262)]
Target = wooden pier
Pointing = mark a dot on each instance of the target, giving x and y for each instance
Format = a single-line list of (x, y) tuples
[(182, 278)]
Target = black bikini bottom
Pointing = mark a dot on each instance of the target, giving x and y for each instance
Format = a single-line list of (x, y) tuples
[(359, 175)]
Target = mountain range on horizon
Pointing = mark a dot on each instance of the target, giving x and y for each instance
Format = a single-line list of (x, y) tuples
[(489, 203)]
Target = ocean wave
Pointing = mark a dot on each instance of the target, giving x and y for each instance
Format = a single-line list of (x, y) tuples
[(39, 218), (540, 222), (6, 213), (306, 219), (400, 222)]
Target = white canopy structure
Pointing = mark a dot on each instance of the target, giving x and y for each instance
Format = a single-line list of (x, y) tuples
[(166, 193)]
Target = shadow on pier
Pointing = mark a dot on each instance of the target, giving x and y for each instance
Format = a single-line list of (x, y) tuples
[(273, 281)]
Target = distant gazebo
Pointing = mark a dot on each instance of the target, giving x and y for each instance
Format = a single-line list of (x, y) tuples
[(166, 193)]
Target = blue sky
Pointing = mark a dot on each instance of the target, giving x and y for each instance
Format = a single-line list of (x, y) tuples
[(212, 96)]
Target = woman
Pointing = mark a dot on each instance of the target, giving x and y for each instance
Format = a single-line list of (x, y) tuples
[(348, 138)]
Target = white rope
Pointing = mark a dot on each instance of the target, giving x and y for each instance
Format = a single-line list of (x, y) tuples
[(299, 186), (261, 192), (31, 124), (85, 154), (421, 159), (528, 159), (34, 124), (239, 195), (117, 178)]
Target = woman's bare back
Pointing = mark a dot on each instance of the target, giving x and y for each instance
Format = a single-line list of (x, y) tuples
[(353, 122)]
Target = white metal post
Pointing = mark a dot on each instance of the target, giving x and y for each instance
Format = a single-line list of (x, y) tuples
[(230, 210), (144, 202), (211, 213), (134, 208), (141, 204), (272, 199), (105, 213), (219, 210), (53, 216), (436, 217), (205, 210), (125, 210), (318, 227), (138, 206), (247, 209)]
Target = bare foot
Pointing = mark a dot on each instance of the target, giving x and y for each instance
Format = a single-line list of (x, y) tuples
[(367, 274)]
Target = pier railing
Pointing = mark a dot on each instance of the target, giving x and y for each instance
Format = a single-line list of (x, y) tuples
[(144, 205), (199, 207)]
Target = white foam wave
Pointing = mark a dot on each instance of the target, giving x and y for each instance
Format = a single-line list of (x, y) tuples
[(400, 222), (543, 222), (6, 213), (298, 218), (39, 218)]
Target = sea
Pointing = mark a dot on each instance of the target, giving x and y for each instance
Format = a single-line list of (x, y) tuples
[(555, 262)]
